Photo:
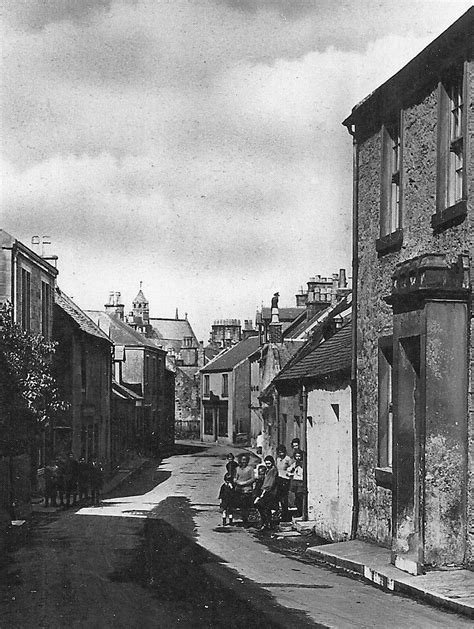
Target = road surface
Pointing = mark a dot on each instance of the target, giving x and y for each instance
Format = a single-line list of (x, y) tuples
[(155, 555)]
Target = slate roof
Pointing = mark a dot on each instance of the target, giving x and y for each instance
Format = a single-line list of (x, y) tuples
[(118, 331), (330, 357), (173, 331), (285, 314), (227, 360), (81, 319)]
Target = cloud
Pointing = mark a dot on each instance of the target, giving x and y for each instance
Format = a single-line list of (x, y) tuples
[(190, 145)]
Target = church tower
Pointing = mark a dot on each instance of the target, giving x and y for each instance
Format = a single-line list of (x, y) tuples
[(141, 309)]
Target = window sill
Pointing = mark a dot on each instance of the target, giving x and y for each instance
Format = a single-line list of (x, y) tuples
[(383, 477), (449, 217), (389, 243)]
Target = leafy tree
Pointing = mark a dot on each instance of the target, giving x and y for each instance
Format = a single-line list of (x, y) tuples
[(28, 359)]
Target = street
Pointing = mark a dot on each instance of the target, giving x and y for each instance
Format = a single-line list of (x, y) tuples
[(155, 555)]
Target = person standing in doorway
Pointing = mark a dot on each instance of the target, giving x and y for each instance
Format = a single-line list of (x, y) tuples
[(283, 462)]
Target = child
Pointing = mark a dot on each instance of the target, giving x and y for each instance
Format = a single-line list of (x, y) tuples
[(226, 496)]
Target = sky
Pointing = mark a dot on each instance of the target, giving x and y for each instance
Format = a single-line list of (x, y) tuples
[(193, 145)]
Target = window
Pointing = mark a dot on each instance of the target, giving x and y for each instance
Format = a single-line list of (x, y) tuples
[(45, 308), (25, 299), (451, 181), (188, 341), (390, 197), (207, 386), (225, 385), (385, 418), (222, 421), (208, 421)]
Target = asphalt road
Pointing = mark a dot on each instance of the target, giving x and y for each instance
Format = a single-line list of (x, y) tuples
[(155, 555)]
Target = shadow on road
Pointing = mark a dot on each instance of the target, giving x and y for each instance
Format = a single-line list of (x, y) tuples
[(193, 584)]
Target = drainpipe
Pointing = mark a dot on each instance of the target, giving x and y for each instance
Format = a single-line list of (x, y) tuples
[(304, 443), (355, 269)]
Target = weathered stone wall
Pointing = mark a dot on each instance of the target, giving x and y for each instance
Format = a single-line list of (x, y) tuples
[(374, 317)]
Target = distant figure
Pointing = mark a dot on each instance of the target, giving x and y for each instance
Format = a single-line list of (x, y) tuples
[(84, 479), (227, 498), (231, 465), (275, 300), (50, 484), (243, 481), (267, 501), (297, 482), (96, 481), (283, 462), (71, 473)]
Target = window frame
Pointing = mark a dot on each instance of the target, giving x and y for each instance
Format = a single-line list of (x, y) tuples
[(225, 385), (385, 412), (391, 185), (451, 206), (206, 385), (25, 290), (45, 308)]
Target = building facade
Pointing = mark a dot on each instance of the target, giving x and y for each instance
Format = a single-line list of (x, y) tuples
[(140, 366), (83, 369), (225, 387), (413, 238)]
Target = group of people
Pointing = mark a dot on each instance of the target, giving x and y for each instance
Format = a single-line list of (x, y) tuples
[(275, 487), (68, 481)]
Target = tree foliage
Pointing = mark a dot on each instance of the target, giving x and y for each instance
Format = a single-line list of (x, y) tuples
[(28, 357)]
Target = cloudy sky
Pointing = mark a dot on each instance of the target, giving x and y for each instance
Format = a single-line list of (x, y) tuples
[(193, 145)]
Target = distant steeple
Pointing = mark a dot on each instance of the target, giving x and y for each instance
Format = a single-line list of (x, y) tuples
[(141, 307)]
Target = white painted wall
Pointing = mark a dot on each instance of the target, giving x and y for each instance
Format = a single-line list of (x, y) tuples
[(329, 460)]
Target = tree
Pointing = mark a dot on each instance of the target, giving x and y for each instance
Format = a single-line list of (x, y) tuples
[(29, 387)]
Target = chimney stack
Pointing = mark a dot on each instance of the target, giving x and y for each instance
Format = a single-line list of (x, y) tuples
[(114, 307)]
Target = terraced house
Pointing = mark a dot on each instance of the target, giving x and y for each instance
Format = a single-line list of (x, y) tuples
[(413, 272)]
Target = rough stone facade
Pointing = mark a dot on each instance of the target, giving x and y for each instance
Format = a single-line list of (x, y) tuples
[(374, 316)]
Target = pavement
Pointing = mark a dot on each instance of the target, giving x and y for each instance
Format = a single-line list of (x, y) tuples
[(451, 589)]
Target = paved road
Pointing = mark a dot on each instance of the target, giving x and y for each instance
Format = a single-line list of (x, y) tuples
[(155, 555)]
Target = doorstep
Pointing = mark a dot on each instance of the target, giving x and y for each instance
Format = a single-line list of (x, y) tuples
[(452, 589)]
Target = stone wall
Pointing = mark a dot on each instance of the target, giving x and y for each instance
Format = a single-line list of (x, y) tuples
[(374, 317)]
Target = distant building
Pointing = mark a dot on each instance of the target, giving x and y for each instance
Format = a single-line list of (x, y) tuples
[(225, 332), (83, 369), (225, 386), (139, 365)]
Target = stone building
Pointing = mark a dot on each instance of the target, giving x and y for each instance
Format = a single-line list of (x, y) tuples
[(139, 365), (27, 282), (225, 332), (413, 249), (225, 386), (83, 368)]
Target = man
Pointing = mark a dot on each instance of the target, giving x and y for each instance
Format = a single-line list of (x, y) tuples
[(295, 446), (243, 482)]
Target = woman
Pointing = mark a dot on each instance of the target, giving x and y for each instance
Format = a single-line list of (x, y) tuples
[(297, 482), (243, 483), (268, 500)]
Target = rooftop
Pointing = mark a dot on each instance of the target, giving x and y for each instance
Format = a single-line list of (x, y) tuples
[(82, 320), (330, 357), (228, 359), (427, 68), (119, 331)]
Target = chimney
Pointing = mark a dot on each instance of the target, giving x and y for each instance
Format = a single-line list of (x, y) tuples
[(176, 316), (275, 333), (342, 278), (114, 307), (248, 330), (200, 353)]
